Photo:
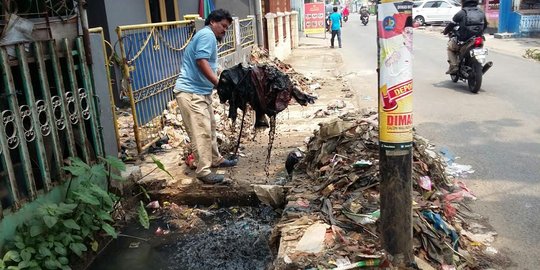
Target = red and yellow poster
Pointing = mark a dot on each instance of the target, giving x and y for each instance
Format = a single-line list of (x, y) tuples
[(395, 75), (314, 18)]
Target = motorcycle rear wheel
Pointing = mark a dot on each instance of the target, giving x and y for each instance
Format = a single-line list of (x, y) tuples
[(475, 76)]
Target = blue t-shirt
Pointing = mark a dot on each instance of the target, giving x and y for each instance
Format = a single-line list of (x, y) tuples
[(191, 79), (335, 18)]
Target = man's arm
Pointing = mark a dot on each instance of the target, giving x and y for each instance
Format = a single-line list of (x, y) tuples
[(459, 16), (206, 70)]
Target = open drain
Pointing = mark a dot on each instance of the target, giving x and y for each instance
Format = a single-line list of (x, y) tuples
[(195, 238)]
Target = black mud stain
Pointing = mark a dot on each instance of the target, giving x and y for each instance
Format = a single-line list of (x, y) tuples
[(230, 238)]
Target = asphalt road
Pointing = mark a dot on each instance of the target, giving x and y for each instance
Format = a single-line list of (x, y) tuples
[(497, 131)]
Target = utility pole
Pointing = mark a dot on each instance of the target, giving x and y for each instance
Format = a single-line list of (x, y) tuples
[(394, 40)]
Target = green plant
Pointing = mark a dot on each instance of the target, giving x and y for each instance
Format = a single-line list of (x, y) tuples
[(533, 54), (58, 231)]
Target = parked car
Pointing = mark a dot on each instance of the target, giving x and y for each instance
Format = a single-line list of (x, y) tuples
[(435, 11)]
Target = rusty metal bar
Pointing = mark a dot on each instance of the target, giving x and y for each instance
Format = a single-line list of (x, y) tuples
[(91, 100), (63, 121), (73, 97), (46, 92), (15, 115), (39, 130)]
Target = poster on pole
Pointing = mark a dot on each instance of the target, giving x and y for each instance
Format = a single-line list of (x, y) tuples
[(395, 36), (314, 18)]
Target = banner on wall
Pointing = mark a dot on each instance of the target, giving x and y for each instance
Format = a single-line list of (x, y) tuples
[(395, 35), (314, 19)]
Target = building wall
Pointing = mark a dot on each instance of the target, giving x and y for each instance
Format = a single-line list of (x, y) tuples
[(238, 8), (117, 15), (188, 7), (95, 11)]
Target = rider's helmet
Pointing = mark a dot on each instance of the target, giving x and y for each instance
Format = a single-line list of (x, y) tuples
[(469, 3)]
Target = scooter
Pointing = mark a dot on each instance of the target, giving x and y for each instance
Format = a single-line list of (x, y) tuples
[(472, 61), (364, 16)]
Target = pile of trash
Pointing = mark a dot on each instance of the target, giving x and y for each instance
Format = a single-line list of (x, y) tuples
[(330, 218), (173, 134)]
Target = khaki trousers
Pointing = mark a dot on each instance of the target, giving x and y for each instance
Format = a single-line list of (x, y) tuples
[(198, 118), (453, 50)]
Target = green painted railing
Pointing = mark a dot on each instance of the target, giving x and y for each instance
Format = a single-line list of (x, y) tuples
[(48, 112)]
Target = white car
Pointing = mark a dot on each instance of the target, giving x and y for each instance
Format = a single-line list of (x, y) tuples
[(435, 11)]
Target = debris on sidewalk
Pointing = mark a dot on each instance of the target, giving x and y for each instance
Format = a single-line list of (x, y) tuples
[(273, 72), (341, 187)]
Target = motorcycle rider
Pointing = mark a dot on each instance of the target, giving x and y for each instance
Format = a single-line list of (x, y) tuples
[(364, 12), (472, 22), (345, 13)]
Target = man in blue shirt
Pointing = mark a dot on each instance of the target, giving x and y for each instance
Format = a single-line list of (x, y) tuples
[(335, 26), (193, 91)]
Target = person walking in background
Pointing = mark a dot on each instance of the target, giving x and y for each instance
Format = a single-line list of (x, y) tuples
[(335, 26), (193, 90)]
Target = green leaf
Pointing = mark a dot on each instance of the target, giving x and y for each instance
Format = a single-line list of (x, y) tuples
[(26, 255), (50, 221), (115, 163), (102, 194), (109, 230), (161, 166), (71, 224), (60, 250), (78, 248), (24, 264), (77, 238), (52, 264), (145, 192), (98, 170), (95, 246), (63, 260), (76, 171), (103, 215), (85, 232), (143, 216), (66, 208), (87, 198), (36, 230), (44, 251), (79, 163), (13, 267), (20, 245), (12, 255)]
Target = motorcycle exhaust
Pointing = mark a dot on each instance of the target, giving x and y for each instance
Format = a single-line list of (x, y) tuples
[(486, 67)]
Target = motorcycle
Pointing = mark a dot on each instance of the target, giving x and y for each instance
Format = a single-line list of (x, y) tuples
[(472, 61), (364, 17)]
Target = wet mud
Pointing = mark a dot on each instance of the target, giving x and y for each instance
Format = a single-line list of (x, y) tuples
[(225, 238)]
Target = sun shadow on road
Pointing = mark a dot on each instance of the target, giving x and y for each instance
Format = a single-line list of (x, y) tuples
[(459, 86)]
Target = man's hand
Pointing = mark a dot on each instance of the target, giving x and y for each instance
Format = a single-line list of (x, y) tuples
[(206, 70)]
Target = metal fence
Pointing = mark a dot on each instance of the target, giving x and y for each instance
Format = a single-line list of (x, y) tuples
[(152, 58), (48, 113), (247, 32), (530, 23), (228, 45)]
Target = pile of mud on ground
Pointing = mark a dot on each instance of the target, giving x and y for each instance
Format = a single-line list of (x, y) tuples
[(194, 238), (331, 214)]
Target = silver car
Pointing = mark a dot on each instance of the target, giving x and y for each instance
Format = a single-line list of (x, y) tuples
[(435, 11)]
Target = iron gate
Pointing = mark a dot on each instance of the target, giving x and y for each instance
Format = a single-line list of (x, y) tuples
[(48, 113)]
